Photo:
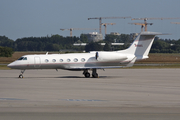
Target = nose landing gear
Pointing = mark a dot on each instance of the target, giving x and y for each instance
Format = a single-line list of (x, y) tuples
[(21, 74)]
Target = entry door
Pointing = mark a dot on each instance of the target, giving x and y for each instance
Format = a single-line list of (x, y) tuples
[(37, 62)]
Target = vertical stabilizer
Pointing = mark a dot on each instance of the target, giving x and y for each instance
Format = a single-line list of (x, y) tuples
[(142, 44)]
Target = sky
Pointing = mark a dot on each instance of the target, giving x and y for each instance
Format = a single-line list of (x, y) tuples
[(39, 18)]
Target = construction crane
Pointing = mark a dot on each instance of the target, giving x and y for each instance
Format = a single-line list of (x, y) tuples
[(100, 20), (105, 25), (175, 22), (145, 21), (142, 25), (71, 29)]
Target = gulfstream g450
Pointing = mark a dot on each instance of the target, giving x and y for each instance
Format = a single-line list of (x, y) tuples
[(138, 50)]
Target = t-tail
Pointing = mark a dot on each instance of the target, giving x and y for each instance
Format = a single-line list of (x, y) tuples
[(142, 45)]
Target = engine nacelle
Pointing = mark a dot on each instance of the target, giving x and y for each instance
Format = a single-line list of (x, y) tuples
[(110, 56)]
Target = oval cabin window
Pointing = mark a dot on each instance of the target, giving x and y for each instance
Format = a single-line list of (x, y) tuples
[(75, 59), (61, 60), (68, 60), (46, 60), (54, 60), (83, 60)]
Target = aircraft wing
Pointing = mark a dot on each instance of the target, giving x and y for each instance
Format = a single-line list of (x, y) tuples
[(130, 64), (94, 67)]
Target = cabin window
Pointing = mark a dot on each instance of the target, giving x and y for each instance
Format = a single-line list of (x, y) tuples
[(68, 60), (75, 59), (46, 60), (54, 60), (61, 60), (83, 60)]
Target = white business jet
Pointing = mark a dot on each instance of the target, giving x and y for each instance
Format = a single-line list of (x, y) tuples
[(138, 50)]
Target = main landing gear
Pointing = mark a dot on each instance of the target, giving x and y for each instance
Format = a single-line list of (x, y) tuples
[(94, 73), (21, 74)]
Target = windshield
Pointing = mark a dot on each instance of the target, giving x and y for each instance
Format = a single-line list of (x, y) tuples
[(22, 58), (25, 58)]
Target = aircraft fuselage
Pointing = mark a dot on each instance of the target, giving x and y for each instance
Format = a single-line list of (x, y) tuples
[(138, 50), (65, 61)]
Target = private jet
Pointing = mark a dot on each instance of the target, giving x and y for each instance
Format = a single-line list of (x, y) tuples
[(94, 60)]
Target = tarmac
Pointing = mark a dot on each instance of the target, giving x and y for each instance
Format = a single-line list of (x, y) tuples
[(126, 94)]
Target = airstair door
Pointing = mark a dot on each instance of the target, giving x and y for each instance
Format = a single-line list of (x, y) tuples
[(37, 62)]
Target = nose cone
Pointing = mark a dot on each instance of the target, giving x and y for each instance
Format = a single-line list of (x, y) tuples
[(11, 65)]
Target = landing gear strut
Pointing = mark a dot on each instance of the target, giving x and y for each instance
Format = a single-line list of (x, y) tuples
[(21, 74)]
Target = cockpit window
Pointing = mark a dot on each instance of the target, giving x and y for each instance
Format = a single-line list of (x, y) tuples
[(22, 58), (25, 58)]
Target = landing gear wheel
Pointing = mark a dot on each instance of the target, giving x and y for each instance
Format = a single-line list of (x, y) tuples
[(87, 75), (95, 75), (20, 76)]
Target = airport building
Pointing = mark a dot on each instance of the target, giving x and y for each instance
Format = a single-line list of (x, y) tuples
[(94, 37)]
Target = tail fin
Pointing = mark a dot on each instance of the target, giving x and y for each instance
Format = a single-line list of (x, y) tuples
[(142, 44)]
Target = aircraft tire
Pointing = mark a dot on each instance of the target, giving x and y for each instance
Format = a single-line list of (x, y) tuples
[(95, 76), (20, 76), (87, 75)]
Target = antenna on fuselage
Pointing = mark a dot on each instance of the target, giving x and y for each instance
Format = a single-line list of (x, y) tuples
[(47, 53)]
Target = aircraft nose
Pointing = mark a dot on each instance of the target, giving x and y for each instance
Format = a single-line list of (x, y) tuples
[(10, 65)]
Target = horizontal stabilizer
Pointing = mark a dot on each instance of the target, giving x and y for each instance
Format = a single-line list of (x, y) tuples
[(153, 33)]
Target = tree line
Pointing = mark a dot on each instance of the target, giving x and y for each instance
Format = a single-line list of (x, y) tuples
[(58, 42), (6, 51), (52, 43)]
